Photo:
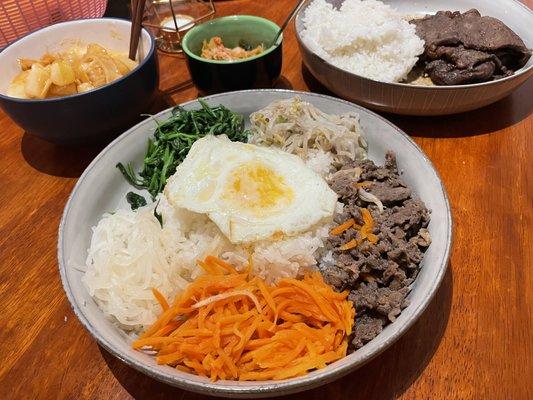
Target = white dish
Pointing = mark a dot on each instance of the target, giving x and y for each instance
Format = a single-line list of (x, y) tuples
[(400, 98), (101, 188)]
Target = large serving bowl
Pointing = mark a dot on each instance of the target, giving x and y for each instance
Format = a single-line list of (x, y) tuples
[(90, 117), (409, 99), (101, 189), (213, 76)]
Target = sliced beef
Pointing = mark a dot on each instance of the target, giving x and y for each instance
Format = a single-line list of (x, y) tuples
[(409, 217), (445, 73), (470, 29), (378, 274), (389, 194), (365, 297), (460, 56), (463, 48), (371, 171)]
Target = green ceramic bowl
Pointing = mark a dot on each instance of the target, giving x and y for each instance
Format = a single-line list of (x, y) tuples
[(260, 71)]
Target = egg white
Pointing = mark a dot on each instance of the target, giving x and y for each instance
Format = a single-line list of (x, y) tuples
[(250, 192)]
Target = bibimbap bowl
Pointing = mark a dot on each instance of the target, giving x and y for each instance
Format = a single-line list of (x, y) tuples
[(101, 188)]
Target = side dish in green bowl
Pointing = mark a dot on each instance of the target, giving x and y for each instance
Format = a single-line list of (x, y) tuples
[(233, 53)]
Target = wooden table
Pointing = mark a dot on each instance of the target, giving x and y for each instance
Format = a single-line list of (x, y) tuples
[(475, 340)]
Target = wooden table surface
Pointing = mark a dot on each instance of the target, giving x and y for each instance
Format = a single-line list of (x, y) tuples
[(474, 341)]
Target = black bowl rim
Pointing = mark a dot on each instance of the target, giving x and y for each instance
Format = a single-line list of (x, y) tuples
[(62, 98), (268, 51)]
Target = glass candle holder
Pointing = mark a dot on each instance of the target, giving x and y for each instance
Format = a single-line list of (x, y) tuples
[(169, 20)]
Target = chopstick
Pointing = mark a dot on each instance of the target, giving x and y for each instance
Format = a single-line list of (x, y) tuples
[(137, 10), (133, 5), (287, 20)]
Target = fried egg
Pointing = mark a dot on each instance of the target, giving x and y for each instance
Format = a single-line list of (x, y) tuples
[(250, 192)]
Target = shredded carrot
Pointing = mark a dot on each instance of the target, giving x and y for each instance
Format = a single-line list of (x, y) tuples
[(365, 231), (229, 325), (350, 245), (363, 184), (220, 263), (367, 217), (343, 227), (372, 238), (161, 299)]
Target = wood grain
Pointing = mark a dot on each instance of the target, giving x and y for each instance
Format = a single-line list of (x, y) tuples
[(474, 341)]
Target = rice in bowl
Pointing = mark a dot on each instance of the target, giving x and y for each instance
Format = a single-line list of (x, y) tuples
[(364, 37)]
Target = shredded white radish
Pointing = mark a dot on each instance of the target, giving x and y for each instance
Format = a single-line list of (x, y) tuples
[(227, 295), (130, 254), (370, 198)]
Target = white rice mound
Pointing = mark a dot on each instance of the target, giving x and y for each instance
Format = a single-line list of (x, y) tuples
[(364, 37), (286, 258), (130, 254)]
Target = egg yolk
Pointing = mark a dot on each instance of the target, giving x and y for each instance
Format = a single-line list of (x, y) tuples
[(256, 187)]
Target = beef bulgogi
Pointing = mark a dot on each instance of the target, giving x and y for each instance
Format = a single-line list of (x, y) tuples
[(378, 255), (464, 48)]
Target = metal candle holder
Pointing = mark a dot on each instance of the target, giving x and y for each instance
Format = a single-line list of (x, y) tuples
[(169, 20)]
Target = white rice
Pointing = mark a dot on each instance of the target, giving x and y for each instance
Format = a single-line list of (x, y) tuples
[(319, 161), (286, 258), (365, 37)]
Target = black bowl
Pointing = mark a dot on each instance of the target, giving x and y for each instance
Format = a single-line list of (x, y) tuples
[(92, 117), (212, 76)]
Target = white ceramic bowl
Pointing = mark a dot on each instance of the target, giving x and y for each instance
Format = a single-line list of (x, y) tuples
[(408, 99), (101, 188)]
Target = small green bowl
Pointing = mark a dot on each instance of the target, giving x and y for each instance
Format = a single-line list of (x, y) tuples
[(213, 76)]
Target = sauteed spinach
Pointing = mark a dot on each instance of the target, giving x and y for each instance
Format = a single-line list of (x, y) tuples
[(173, 139)]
